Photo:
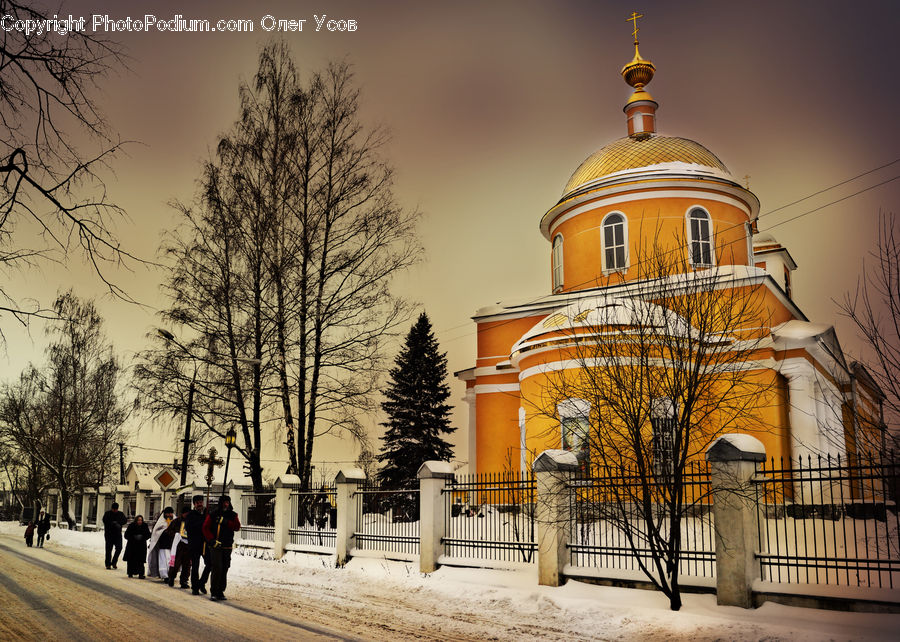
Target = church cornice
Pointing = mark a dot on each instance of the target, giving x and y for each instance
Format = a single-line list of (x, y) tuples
[(724, 276), (646, 183)]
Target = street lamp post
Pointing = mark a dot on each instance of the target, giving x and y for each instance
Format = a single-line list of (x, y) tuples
[(168, 336), (230, 438)]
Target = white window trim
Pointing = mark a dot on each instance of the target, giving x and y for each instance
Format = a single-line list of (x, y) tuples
[(557, 265), (712, 237), (608, 270)]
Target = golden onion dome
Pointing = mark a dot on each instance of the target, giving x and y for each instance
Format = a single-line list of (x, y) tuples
[(639, 72), (633, 152)]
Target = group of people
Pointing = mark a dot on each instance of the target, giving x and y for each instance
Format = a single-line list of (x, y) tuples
[(42, 527), (177, 544)]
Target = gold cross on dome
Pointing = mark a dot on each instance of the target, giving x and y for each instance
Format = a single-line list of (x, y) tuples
[(747, 181), (633, 19), (211, 461)]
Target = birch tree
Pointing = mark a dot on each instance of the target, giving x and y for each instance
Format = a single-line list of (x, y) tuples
[(67, 416), (281, 271)]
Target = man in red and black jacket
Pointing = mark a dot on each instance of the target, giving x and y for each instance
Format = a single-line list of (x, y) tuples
[(219, 529)]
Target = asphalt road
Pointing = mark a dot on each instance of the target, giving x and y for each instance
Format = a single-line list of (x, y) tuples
[(59, 594)]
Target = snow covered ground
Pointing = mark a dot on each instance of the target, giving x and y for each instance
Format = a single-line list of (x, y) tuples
[(381, 599)]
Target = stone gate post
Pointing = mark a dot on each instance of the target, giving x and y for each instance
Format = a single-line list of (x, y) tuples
[(732, 461), (553, 470), (283, 487), (347, 481), (433, 477)]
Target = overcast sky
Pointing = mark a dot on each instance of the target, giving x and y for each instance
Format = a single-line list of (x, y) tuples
[(492, 106)]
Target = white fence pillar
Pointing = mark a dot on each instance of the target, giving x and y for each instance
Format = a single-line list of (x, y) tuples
[(433, 477), (51, 504), (346, 482), (283, 487), (732, 462), (104, 503), (122, 497), (86, 495), (142, 505), (552, 471)]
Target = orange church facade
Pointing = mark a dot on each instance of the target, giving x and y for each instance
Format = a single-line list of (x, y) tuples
[(636, 200)]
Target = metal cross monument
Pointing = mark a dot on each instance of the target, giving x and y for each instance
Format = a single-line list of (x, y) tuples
[(211, 462)]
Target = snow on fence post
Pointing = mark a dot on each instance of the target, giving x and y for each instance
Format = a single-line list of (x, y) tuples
[(433, 477), (346, 483), (552, 471), (283, 487), (732, 462)]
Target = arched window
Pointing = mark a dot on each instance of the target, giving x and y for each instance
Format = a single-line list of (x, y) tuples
[(615, 238), (557, 261), (700, 237)]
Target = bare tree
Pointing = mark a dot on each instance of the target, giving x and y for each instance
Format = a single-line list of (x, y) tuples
[(67, 417), (875, 310), (54, 144), (26, 477), (660, 369), (281, 270)]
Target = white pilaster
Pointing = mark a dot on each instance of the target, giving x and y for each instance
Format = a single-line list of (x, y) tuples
[(802, 408)]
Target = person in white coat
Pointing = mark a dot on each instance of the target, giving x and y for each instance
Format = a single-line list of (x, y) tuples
[(160, 545)]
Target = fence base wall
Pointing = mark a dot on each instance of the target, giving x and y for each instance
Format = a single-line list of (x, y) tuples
[(852, 604)]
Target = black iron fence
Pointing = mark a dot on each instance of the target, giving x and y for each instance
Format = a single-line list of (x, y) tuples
[(610, 528), (829, 520), (491, 516), (387, 519), (258, 516), (314, 517)]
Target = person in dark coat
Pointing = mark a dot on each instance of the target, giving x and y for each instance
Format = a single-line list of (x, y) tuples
[(113, 521), (193, 526), (137, 535), (219, 529), (43, 527), (29, 534)]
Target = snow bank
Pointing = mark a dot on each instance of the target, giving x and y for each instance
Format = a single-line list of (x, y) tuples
[(507, 602)]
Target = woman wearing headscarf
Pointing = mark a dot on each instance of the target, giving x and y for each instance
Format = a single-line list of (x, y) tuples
[(43, 527), (136, 535)]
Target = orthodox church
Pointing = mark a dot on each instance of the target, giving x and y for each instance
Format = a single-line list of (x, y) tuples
[(646, 221)]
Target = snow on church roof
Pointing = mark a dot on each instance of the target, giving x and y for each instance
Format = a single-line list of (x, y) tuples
[(603, 312)]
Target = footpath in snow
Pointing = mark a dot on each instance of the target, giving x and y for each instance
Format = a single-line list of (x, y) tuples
[(382, 599)]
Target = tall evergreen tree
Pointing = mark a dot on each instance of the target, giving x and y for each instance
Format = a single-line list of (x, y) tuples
[(418, 415)]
